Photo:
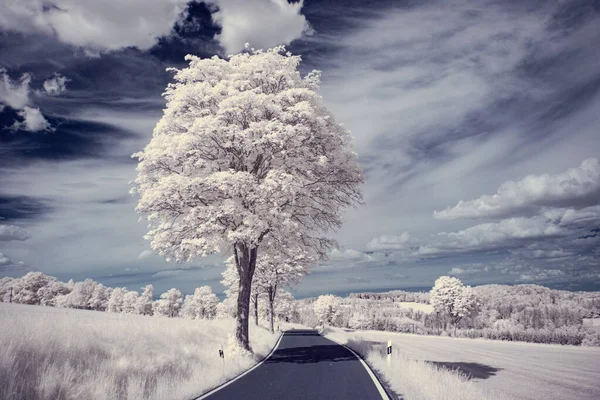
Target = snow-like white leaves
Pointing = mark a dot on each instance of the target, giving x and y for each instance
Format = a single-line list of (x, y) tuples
[(245, 151), (450, 297), (326, 308), (201, 305), (169, 304)]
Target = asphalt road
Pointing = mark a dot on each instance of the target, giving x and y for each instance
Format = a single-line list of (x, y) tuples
[(304, 366)]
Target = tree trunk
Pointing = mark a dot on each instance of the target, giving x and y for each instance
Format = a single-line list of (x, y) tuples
[(256, 308), (271, 293), (245, 258)]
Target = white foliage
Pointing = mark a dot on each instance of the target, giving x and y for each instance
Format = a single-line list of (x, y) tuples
[(236, 156), (201, 305), (450, 297), (144, 302), (169, 304), (25, 289), (130, 301), (99, 299), (115, 302), (326, 308)]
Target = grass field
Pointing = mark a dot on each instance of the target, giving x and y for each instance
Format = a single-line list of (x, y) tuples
[(456, 368), (59, 354)]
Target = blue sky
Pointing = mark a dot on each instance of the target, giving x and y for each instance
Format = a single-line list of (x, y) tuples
[(476, 124)]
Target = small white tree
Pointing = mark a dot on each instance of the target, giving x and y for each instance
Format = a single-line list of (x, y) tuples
[(326, 308), (144, 302), (227, 308), (451, 298), (277, 267), (130, 302), (169, 304), (246, 151), (285, 309), (47, 294), (81, 295), (201, 305), (99, 299), (115, 302), (25, 289)]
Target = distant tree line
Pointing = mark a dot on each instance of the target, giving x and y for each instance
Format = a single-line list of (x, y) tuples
[(36, 288), (529, 313)]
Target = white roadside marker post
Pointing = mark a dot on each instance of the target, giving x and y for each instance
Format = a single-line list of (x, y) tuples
[(389, 353)]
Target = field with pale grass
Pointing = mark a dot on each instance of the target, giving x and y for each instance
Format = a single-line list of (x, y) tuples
[(61, 354)]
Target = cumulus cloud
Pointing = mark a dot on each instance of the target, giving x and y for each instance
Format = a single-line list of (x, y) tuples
[(94, 25), (55, 85), (12, 232), (390, 242), (14, 94), (262, 23), (33, 120), (577, 187)]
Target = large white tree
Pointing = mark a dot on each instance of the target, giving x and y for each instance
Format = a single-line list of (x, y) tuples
[(451, 298), (246, 151)]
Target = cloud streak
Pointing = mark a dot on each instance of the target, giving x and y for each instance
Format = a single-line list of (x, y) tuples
[(578, 187)]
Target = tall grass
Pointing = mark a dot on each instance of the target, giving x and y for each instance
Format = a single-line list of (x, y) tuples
[(412, 379), (60, 354)]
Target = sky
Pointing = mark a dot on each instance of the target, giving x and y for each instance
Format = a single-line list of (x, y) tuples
[(477, 125)]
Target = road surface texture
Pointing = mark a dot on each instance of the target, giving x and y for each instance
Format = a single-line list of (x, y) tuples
[(523, 371), (304, 366)]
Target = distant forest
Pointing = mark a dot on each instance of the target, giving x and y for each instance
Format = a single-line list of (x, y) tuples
[(529, 313)]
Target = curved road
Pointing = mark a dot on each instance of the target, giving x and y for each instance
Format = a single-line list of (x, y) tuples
[(304, 366)]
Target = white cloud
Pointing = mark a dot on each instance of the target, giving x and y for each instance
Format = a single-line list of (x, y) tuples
[(33, 120), (12, 232), (262, 23), (347, 255), (55, 85), (456, 271), (145, 254), (14, 93), (577, 186), (4, 260), (505, 234), (389, 242), (92, 24)]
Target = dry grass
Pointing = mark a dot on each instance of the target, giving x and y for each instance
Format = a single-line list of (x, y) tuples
[(412, 379), (61, 354)]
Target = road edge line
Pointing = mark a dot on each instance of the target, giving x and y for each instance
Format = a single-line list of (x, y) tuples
[(382, 392), (229, 382)]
